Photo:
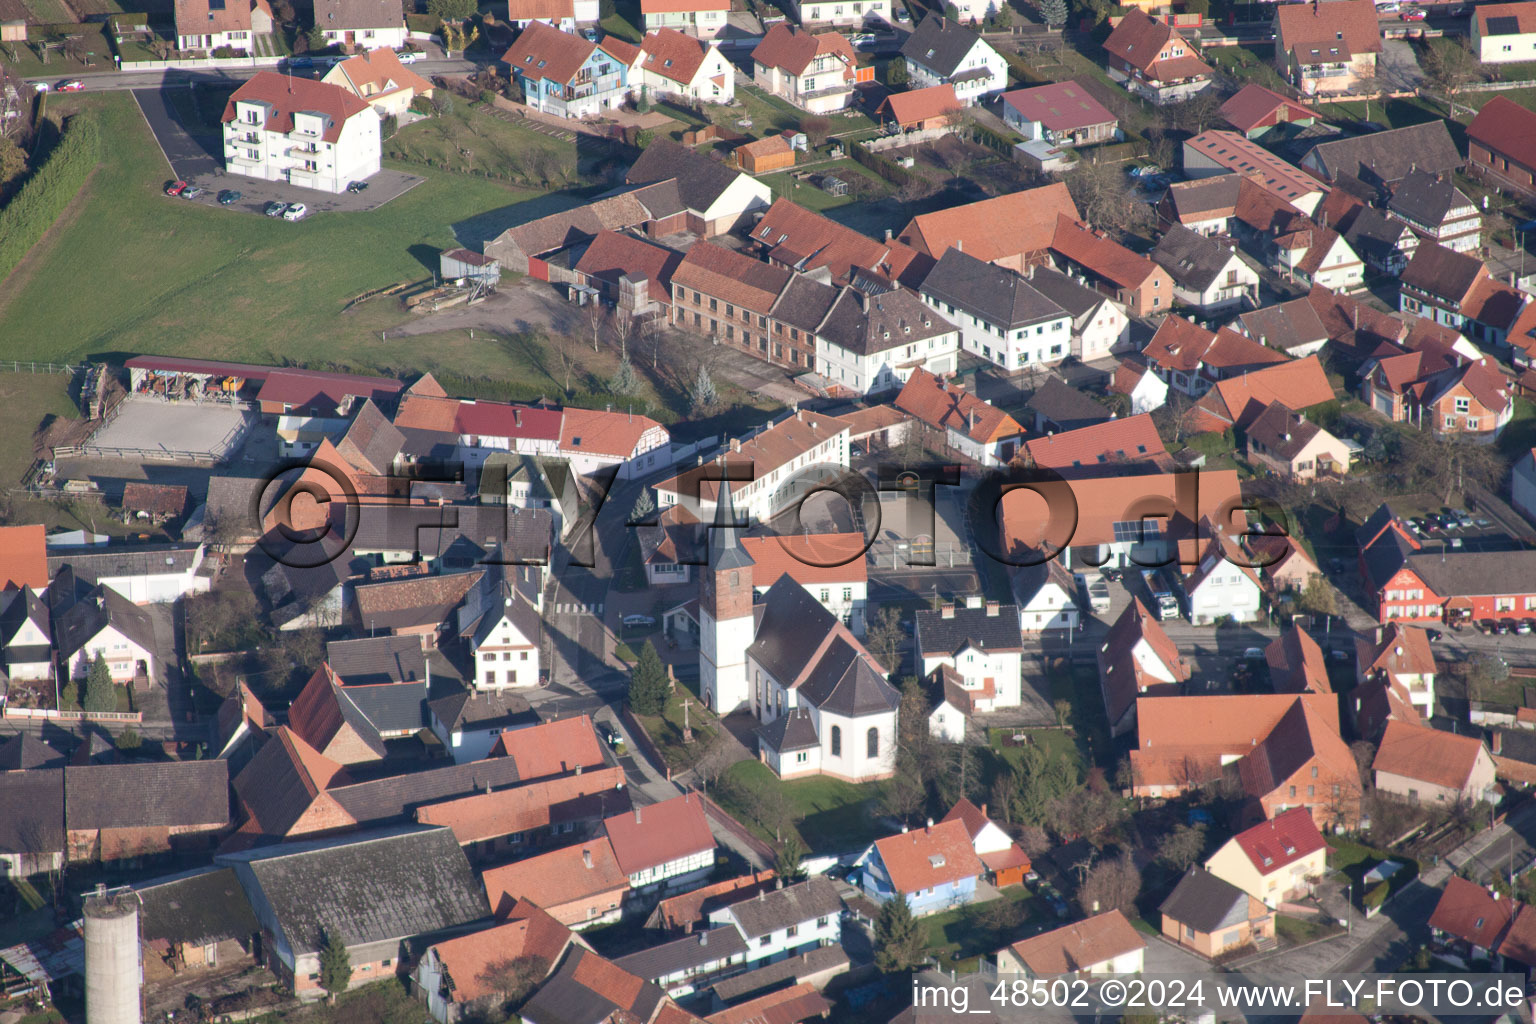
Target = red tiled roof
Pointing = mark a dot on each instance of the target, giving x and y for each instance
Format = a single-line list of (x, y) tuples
[(1109, 260), (651, 836), (796, 236), (382, 68), (1308, 25), (676, 912), (543, 51), (1507, 127), (929, 399), (928, 857), (1178, 344), (288, 96), (993, 229), (558, 877), (1061, 106), (527, 932), (808, 559), (1079, 946), (682, 6), (614, 434), (1103, 501), (1296, 662), (1225, 724), (973, 817), (1402, 650), (1470, 912), (671, 54), (1138, 39), (1254, 106), (1281, 841), (921, 104), (1427, 755), (521, 808), (1524, 15), (784, 1006), (23, 557), (1238, 401), (792, 49), (765, 452), (551, 748), (611, 255), (1133, 439), (731, 276)]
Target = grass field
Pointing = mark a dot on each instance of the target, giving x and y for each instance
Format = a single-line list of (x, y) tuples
[(26, 401), (472, 139), (813, 197), (832, 816)]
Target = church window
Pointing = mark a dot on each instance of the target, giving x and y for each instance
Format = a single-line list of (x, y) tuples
[(872, 742), (837, 741)]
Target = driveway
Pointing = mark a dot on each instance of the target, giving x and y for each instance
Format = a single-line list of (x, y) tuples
[(256, 193), (189, 155)]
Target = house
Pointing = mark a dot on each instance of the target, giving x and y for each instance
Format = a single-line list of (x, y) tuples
[(91, 621), (933, 868), (940, 51), (143, 573), (1103, 944), (374, 892), (1499, 148), (1235, 402), (307, 133), (1132, 280), (1045, 595), (1207, 274), (561, 14), (565, 75), (703, 18), (1327, 50), (1358, 326), (1136, 659), (379, 79), (1006, 863), (1146, 390), (361, 24), (1437, 211), (797, 1003), (453, 975), (1254, 110), (976, 429), (32, 832), (502, 633), (24, 752), (26, 639), (1012, 230), (1213, 917), (1296, 663), (1473, 920), (1401, 657), (815, 72), (1058, 407), (590, 990), (1151, 59), (916, 110), (1293, 447), (984, 646), (680, 914), (154, 502), (1099, 324), (1063, 114), (667, 844), (193, 921), (325, 717), (1440, 384), (381, 659), (1385, 243), (552, 748), (135, 809), (1278, 859), (1217, 152), (830, 566), (1191, 359), (1223, 585), (673, 63), (582, 885), (631, 273), (212, 24), (470, 722), (766, 464), (1207, 205), (1115, 446), (1385, 158), (872, 14), (1439, 284), (784, 921), (766, 155), (1291, 327), (792, 237), (528, 818), (767, 311), (874, 343), (1426, 765), (1001, 317), (1281, 750), (1502, 33), (681, 966)]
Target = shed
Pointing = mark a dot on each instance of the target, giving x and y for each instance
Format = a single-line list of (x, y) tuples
[(773, 153), (456, 263), (1039, 155)]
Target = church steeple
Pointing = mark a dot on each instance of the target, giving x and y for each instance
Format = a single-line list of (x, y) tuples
[(725, 550)]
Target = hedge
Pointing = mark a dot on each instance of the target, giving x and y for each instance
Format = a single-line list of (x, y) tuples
[(48, 191)]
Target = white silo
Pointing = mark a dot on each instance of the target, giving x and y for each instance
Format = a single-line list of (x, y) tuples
[(113, 970)]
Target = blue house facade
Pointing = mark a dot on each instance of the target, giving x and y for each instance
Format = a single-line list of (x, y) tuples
[(567, 76), (935, 868)]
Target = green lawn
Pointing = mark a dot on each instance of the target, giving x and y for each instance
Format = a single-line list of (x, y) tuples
[(1246, 64), (959, 936), (1295, 931), (474, 140), (624, 22), (1519, 435), (832, 816), (813, 197), (26, 401)]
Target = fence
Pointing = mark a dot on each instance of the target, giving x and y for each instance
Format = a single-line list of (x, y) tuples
[(202, 62), (890, 554), (915, 137), (72, 716), (18, 366)]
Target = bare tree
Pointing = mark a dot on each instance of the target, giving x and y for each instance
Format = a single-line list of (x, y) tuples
[(1111, 884), (714, 757), (622, 326), (1448, 67), (565, 351)]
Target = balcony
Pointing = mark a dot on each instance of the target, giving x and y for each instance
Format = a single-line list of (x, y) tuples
[(305, 150)]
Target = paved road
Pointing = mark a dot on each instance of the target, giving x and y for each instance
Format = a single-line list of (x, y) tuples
[(101, 81), (190, 155)]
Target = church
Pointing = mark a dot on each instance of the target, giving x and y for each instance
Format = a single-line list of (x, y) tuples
[(823, 704)]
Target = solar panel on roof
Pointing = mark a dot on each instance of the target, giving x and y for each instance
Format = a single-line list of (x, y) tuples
[(1504, 26)]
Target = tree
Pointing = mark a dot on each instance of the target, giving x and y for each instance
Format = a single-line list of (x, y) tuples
[(1102, 193), (99, 692), (713, 758), (1181, 847), (1063, 709), (1317, 597), (129, 739), (816, 129), (1003, 19), (316, 38), (786, 860), (1448, 67), (12, 160), (1040, 781), (282, 10), (906, 792), (1053, 12), (951, 12), (912, 714), (1196, 114), (883, 638), (1111, 884), (69, 697), (643, 507), (513, 978), (625, 381), (1484, 673), (898, 938), (335, 965), (648, 683), (896, 72), (704, 398), (452, 10)]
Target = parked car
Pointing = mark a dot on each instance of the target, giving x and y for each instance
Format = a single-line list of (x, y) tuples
[(193, 192), (1503, 627), (1434, 635), (1388, 8), (1413, 15), (295, 212), (357, 186), (902, 16), (42, 86), (1526, 627), (275, 209), (590, 35), (638, 621), (1484, 625), (175, 188), (1254, 654), (228, 196), (301, 62), (408, 56), (71, 85)]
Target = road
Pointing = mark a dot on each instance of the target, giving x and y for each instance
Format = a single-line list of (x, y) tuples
[(100, 81)]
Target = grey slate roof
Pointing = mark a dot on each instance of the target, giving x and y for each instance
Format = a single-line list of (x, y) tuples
[(564, 1000), (841, 680), (846, 683), (17, 608), (1426, 198), (1391, 155), (391, 707), (377, 659), (1375, 236), (989, 292), (379, 800), (99, 607), (521, 534), (200, 907), (91, 565), (1286, 325), (147, 794), (1058, 405), (867, 324), (1000, 632), (804, 302), (1282, 431), (371, 439), (690, 951), (25, 752), (1481, 573), (33, 822), (469, 709), (1383, 558), (775, 910), (700, 180), (782, 974), (1071, 295), (371, 888), (1191, 259), (790, 617), (939, 44), (792, 730), (1205, 902)]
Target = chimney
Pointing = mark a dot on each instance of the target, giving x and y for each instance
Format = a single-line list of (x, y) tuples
[(928, 827), (487, 787), (704, 938), (586, 858), (517, 416), (983, 810), (637, 815), (1498, 742), (992, 607), (761, 895), (903, 828), (778, 883), (887, 234), (735, 444), (947, 612)]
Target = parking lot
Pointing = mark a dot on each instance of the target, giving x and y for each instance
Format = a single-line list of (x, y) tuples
[(256, 193)]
